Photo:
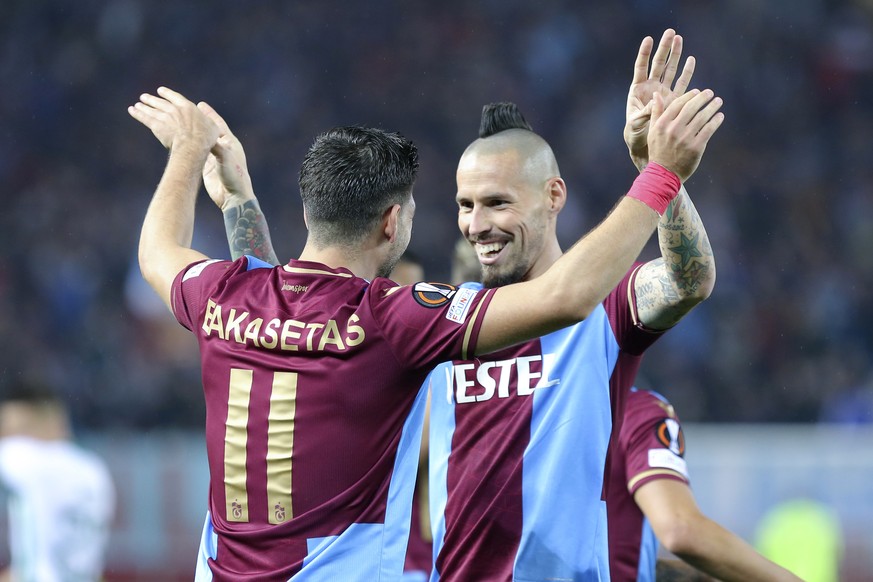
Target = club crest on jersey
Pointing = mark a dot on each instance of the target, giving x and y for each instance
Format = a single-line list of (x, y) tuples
[(433, 294), (669, 433)]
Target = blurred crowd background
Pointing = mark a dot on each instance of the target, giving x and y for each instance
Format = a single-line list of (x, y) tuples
[(784, 188)]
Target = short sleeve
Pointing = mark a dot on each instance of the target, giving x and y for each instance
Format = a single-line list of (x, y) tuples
[(427, 323), (633, 337), (653, 441), (194, 283)]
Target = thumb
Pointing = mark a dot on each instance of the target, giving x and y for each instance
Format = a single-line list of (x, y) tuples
[(212, 114), (639, 119), (221, 148)]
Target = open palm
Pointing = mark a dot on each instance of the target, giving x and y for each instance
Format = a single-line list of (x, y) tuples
[(648, 80)]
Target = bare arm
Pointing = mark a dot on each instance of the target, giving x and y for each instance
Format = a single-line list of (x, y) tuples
[(165, 239), (577, 282), (667, 288), (247, 232), (683, 530), (227, 181), (678, 571)]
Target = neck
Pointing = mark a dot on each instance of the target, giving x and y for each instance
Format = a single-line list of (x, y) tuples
[(362, 264), (551, 253)]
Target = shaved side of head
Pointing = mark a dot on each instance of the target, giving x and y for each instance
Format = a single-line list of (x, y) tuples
[(536, 160)]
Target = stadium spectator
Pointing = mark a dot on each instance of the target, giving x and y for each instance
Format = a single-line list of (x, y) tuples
[(791, 162), (648, 500), (269, 337), (61, 496)]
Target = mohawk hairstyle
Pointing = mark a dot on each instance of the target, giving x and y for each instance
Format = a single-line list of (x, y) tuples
[(497, 117)]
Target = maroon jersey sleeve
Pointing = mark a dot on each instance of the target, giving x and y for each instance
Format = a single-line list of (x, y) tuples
[(632, 336), (653, 441), (428, 323), (191, 287)]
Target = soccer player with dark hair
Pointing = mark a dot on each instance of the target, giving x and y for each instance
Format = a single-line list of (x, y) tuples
[(61, 495), (313, 371)]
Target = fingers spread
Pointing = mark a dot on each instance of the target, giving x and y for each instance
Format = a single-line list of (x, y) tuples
[(710, 127), (685, 78), (641, 65), (673, 61), (660, 58), (705, 115)]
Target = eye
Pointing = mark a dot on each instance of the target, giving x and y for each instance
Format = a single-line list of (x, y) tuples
[(465, 205)]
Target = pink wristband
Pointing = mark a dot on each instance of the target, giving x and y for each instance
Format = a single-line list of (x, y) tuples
[(655, 187)]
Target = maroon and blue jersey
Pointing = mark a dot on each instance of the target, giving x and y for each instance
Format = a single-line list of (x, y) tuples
[(314, 412), (650, 446), (518, 446)]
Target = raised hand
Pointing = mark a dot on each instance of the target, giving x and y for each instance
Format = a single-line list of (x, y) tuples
[(175, 120), (679, 133), (225, 173), (649, 80)]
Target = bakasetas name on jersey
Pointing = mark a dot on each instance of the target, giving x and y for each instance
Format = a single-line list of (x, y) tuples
[(477, 382), (284, 334)]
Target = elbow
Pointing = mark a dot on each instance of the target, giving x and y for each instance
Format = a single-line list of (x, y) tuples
[(148, 264), (682, 537), (697, 288), (686, 536)]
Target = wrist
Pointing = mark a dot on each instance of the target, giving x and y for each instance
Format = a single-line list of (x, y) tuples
[(656, 187), (639, 161), (188, 149), (240, 198)]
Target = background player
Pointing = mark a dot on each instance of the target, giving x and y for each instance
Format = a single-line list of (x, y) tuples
[(61, 496), (268, 406), (648, 500)]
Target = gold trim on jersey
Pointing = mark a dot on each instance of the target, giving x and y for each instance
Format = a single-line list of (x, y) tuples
[(470, 323), (280, 446), (652, 472), (235, 440), (630, 295), (315, 272)]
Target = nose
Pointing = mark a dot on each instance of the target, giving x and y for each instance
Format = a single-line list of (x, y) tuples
[(477, 222)]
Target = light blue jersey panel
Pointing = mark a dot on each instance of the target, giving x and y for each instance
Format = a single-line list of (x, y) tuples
[(208, 548), (256, 263), (364, 552), (648, 554), (347, 556), (442, 415), (564, 533)]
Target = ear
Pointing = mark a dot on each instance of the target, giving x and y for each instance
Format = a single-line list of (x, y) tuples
[(305, 219), (557, 191), (390, 222)]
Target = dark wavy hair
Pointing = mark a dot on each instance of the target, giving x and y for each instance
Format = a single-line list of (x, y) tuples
[(350, 176)]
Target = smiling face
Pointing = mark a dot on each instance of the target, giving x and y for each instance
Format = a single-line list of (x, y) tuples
[(508, 199)]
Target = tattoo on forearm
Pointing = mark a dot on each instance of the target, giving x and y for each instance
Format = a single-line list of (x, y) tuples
[(247, 232), (687, 248), (685, 245)]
